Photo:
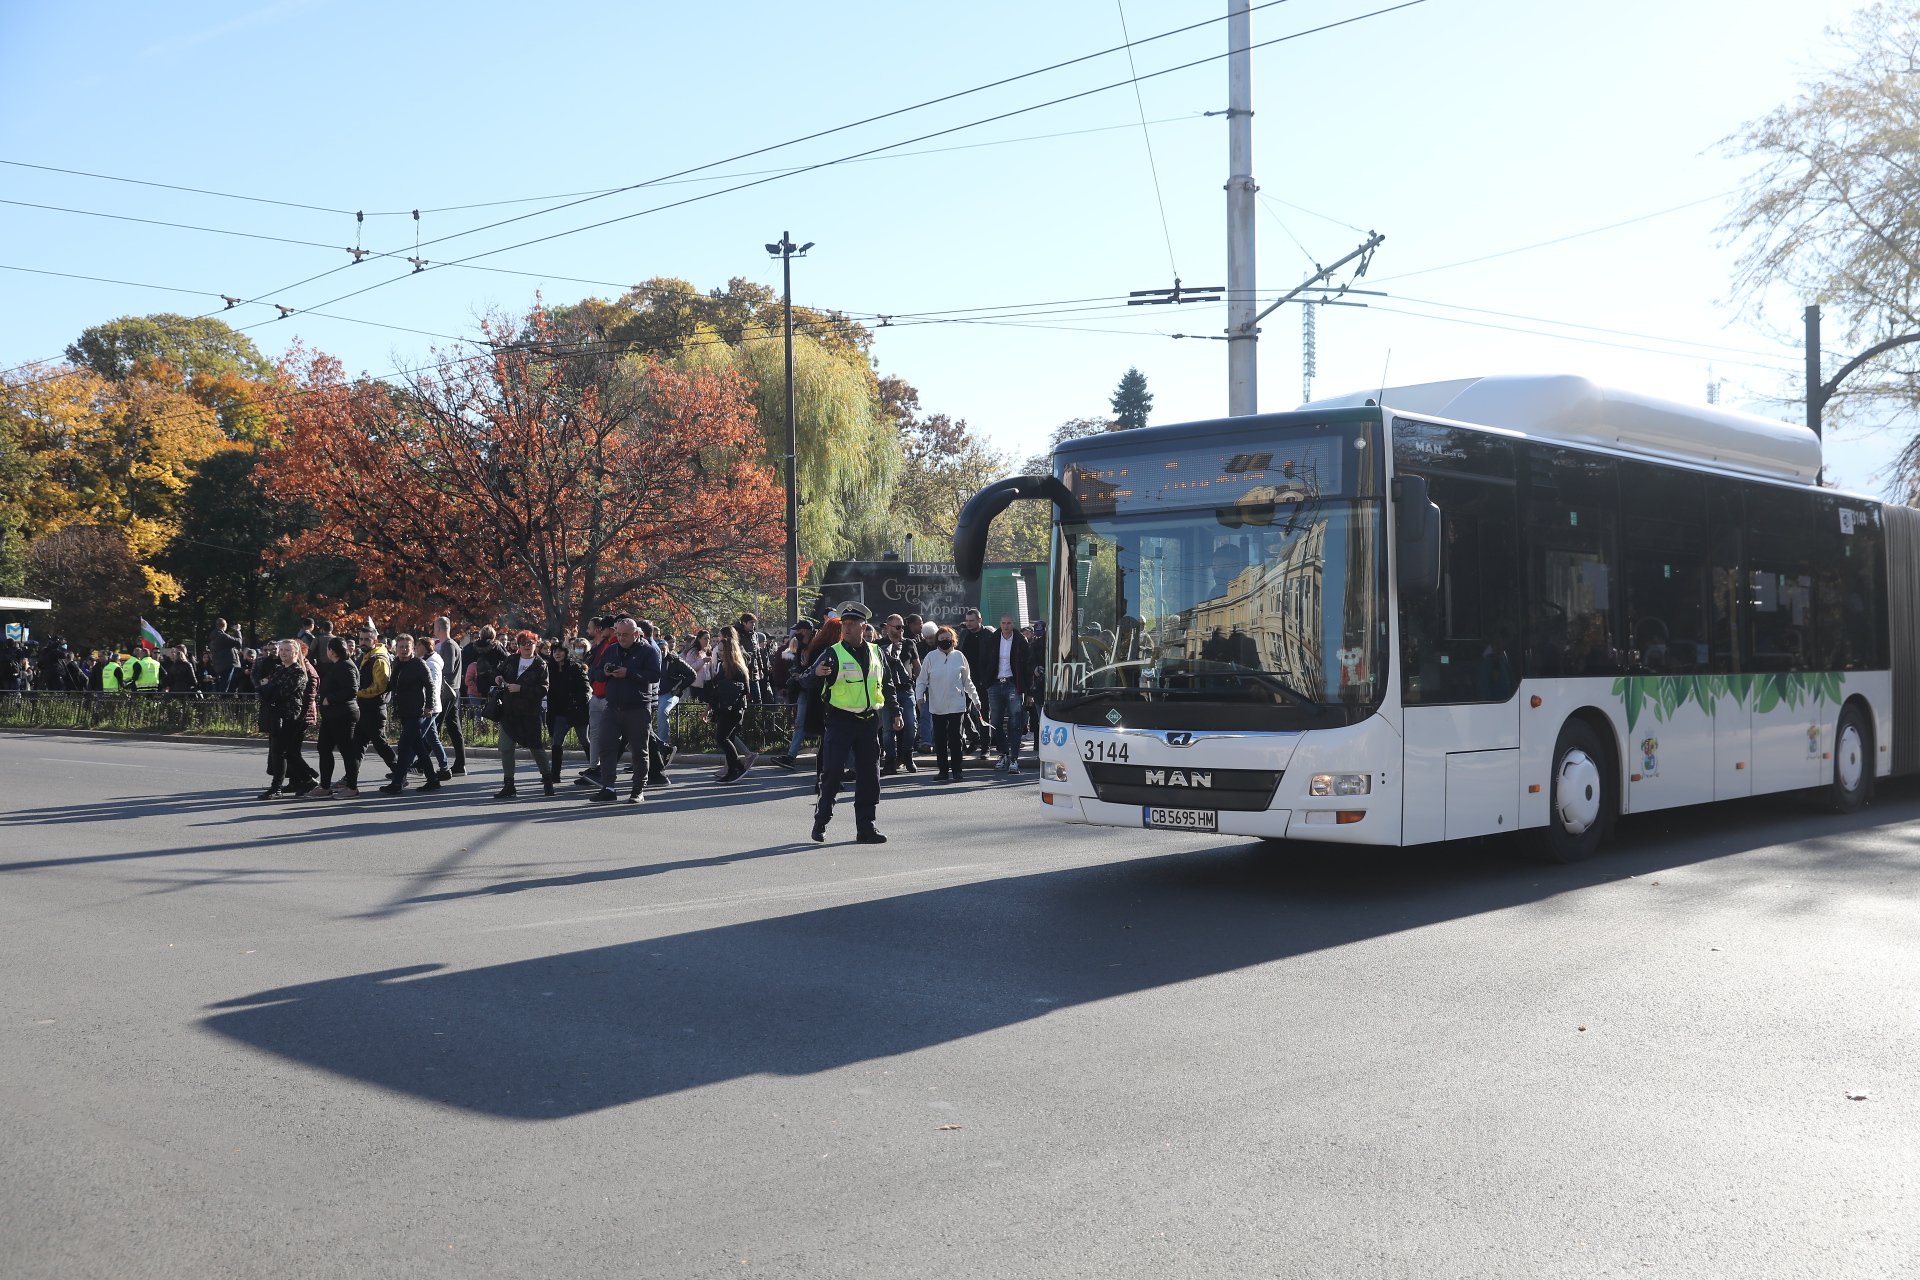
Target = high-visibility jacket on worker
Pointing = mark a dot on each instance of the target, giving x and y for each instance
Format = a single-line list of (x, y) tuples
[(146, 675), (853, 689), (109, 676)]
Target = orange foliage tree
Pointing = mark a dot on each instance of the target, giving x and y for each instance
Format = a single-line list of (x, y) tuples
[(538, 480)]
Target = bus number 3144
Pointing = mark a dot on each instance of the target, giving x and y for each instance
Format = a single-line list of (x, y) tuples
[(1108, 750)]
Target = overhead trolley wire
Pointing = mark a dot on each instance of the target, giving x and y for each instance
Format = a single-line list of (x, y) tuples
[(1405, 4), (1526, 248)]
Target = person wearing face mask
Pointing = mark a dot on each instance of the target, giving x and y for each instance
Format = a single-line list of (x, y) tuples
[(946, 682)]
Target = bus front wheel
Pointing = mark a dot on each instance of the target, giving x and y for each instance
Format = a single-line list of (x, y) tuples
[(1582, 798)]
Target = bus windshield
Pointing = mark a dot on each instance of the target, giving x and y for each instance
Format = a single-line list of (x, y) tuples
[(1270, 597)]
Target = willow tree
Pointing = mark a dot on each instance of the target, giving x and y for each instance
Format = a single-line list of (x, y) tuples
[(849, 461)]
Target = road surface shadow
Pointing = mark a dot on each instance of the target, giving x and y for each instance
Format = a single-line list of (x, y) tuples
[(583, 1030)]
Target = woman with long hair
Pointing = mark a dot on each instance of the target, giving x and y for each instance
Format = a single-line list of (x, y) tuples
[(727, 699), (811, 713)]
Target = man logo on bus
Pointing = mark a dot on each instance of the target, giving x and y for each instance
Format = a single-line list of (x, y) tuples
[(1178, 778)]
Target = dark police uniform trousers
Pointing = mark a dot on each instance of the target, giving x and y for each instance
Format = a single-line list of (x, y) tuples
[(856, 736)]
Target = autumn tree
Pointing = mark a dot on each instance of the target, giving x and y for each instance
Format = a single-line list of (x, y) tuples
[(540, 479), (943, 463), (99, 591), (667, 316), (113, 453), (214, 363), (220, 553), (1828, 217), (849, 461)]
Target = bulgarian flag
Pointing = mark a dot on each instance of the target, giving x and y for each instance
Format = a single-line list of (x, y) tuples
[(150, 634)]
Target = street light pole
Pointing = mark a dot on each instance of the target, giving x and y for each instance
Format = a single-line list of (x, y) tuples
[(787, 251)]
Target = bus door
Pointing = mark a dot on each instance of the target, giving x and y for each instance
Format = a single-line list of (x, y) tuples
[(1779, 648), (1459, 675)]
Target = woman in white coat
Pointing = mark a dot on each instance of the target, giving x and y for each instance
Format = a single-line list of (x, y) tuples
[(946, 683)]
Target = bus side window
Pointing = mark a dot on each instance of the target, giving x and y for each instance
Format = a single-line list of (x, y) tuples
[(1571, 509), (1725, 517), (1778, 579), (1849, 585), (1665, 532)]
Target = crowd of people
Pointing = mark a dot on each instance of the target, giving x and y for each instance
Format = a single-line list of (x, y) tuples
[(948, 692)]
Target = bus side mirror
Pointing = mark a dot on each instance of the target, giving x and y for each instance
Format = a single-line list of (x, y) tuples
[(1416, 523)]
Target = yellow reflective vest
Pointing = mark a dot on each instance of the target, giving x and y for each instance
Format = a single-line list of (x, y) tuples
[(110, 677), (146, 674), (855, 690)]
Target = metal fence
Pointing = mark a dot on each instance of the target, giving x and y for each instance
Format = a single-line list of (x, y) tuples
[(765, 728)]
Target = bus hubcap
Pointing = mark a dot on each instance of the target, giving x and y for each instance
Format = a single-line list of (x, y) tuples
[(1852, 766), (1576, 792)]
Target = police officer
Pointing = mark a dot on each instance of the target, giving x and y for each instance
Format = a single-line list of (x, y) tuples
[(852, 677), (146, 674), (111, 671)]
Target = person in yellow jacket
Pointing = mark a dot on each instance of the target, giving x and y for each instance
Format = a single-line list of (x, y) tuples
[(113, 674), (146, 674), (852, 676), (376, 671)]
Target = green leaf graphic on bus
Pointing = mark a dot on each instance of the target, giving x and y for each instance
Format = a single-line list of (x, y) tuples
[(1665, 695)]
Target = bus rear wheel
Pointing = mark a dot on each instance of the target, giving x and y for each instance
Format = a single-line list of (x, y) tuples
[(1581, 797), (1852, 784)]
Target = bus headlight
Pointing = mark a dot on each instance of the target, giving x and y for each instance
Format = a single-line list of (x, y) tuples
[(1052, 771), (1340, 784)]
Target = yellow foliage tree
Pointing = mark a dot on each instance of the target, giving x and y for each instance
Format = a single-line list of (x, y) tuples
[(111, 453)]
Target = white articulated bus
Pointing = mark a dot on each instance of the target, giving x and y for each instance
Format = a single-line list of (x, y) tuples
[(1464, 608)]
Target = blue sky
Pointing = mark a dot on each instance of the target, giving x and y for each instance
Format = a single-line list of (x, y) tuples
[(1459, 128)]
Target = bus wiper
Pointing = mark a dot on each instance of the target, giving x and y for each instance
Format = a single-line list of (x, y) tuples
[(1308, 702)]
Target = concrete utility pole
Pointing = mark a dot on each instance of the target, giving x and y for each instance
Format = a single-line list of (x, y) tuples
[(1243, 334), (787, 251)]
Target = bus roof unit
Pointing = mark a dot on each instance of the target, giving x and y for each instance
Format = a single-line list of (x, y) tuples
[(1579, 411)]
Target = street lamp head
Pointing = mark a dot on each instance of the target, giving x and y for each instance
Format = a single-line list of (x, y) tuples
[(803, 248), (774, 249)]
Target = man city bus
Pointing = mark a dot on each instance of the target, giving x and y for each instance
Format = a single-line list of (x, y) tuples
[(1461, 609)]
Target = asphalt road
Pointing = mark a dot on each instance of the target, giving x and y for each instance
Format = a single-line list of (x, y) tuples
[(439, 1036)]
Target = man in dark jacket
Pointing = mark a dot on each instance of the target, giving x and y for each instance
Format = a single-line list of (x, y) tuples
[(522, 682), (982, 655), (223, 655), (628, 670), (411, 685), (1011, 665)]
